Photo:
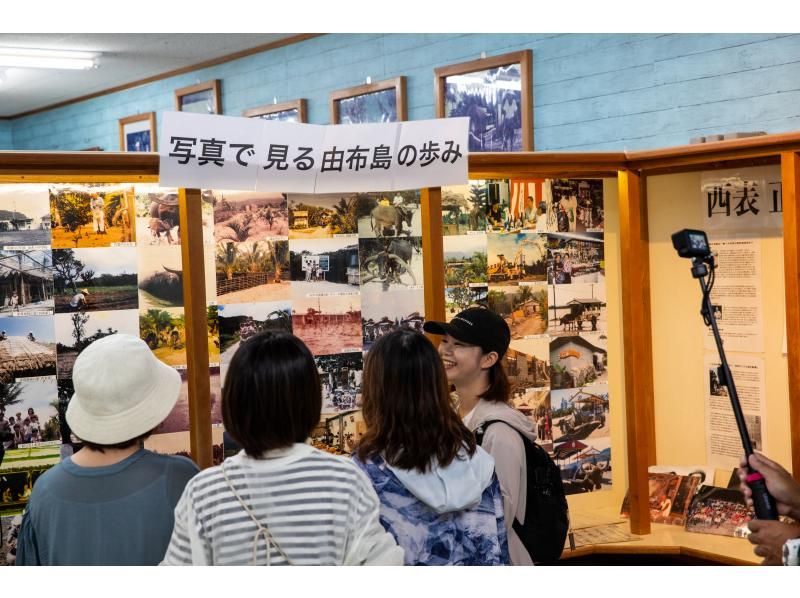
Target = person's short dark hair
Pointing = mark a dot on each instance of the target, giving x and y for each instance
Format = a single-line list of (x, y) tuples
[(407, 408), (101, 448), (499, 390), (272, 396)]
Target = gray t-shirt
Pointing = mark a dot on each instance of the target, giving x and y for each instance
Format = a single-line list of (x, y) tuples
[(121, 514)]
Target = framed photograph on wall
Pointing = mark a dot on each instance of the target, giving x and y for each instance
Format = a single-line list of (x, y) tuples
[(496, 94), (203, 98), (381, 102), (292, 111), (137, 133)]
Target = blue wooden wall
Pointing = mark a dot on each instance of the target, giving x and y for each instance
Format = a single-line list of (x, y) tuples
[(591, 91)]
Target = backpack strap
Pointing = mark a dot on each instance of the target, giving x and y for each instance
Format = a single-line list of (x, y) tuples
[(480, 431)]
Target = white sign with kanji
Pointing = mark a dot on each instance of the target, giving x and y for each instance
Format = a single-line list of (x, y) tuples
[(742, 199), (226, 152)]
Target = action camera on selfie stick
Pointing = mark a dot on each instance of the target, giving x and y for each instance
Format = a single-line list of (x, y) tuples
[(694, 244)]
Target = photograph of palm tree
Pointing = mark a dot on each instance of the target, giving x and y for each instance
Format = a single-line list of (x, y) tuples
[(252, 272), (523, 307), (91, 216), (322, 215), (164, 331), (248, 215)]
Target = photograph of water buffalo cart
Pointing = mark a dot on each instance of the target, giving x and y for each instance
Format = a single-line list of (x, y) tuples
[(575, 258), (249, 215), (389, 214), (95, 279), (516, 257), (76, 331), (583, 467), (523, 308), (581, 413), (340, 375), (91, 216), (318, 216), (578, 360), (576, 308), (27, 348), (324, 265), (160, 276), (328, 324), (251, 272), (26, 282), (577, 205), (464, 260), (464, 208), (24, 216), (390, 263)]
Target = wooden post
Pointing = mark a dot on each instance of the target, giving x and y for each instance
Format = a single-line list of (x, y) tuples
[(637, 344), (790, 176), (194, 303), (433, 253)]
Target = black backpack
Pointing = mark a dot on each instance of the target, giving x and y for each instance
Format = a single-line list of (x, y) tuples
[(546, 511)]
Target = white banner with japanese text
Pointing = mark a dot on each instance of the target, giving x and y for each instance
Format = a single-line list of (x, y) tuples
[(228, 152)]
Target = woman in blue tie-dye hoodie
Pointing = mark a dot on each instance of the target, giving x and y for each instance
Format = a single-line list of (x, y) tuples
[(439, 496)]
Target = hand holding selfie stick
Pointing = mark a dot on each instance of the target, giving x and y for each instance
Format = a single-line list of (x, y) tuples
[(694, 244)]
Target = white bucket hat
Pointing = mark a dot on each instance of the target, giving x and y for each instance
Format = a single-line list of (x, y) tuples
[(122, 390)]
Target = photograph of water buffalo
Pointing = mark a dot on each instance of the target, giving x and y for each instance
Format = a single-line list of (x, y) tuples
[(340, 376), (24, 215), (164, 331), (74, 332), (578, 360), (322, 215), (492, 99), (523, 307), (160, 277), (575, 258), (516, 257), (29, 412), (527, 364), (390, 263), (240, 321), (97, 279), (575, 308), (91, 216), (249, 215), (26, 282), (389, 214), (157, 216), (324, 266), (328, 324), (464, 259), (457, 299), (577, 205), (581, 430), (27, 348), (383, 312), (376, 107), (178, 419), (251, 272), (464, 208)]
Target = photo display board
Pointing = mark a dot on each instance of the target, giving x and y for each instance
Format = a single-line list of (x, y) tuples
[(533, 251)]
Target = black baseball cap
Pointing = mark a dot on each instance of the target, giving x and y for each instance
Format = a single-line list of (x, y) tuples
[(475, 326)]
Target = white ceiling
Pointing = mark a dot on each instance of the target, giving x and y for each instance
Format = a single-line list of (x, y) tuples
[(126, 57)]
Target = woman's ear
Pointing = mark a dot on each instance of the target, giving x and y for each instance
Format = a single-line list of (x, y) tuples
[(489, 359)]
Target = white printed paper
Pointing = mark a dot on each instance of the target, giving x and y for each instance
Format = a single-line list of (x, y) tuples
[(292, 151), (441, 153), (742, 199)]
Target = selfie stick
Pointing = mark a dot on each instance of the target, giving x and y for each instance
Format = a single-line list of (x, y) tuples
[(694, 244)]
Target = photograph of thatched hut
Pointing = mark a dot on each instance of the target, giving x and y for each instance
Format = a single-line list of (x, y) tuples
[(523, 307), (24, 215), (26, 282), (464, 208), (27, 348)]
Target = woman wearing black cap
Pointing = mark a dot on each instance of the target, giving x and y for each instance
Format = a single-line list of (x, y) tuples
[(472, 347)]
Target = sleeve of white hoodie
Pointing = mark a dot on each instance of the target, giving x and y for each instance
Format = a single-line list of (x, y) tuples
[(368, 543), (503, 443)]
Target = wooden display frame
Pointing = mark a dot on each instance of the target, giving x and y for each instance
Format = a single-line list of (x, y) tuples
[(150, 118), (301, 105), (524, 58), (398, 84), (214, 86), (631, 170)]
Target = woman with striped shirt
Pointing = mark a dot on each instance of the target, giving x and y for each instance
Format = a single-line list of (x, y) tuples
[(279, 501)]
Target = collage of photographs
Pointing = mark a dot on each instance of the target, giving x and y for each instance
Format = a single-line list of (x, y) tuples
[(79, 262), (533, 252)]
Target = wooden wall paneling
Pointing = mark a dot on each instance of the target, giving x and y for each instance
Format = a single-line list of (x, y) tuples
[(790, 175), (194, 301), (433, 253), (637, 345)]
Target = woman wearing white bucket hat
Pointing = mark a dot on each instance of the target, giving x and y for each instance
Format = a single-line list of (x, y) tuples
[(112, 502)]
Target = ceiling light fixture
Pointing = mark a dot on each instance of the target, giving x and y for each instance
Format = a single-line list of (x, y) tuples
[(47, 59)]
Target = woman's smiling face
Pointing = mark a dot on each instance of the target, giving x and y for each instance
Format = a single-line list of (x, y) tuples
[(462, 362)]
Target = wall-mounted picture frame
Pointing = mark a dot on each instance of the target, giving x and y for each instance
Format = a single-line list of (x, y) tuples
[(202, 98), (292, 111), (137, 133), (497, 95), (381, 102)]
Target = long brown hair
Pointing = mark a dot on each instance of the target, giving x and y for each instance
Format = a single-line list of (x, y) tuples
[(406, 405), (499, 390)]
